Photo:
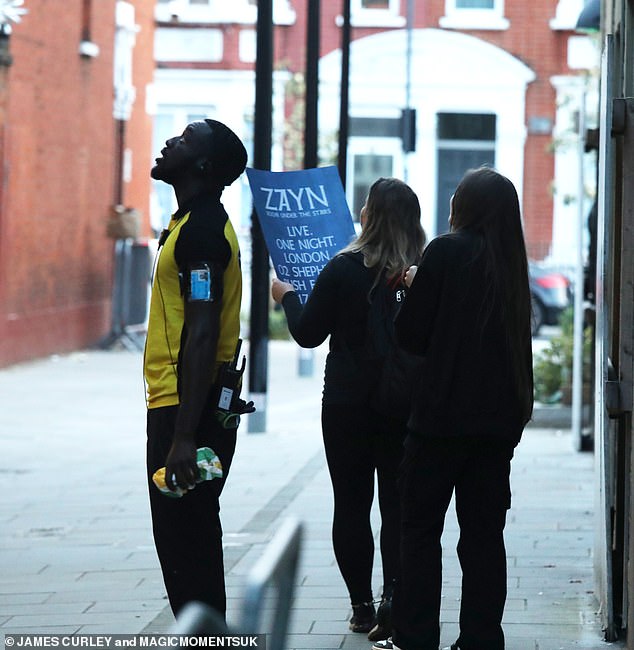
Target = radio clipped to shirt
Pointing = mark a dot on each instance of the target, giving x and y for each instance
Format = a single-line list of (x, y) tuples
[(229, 405)]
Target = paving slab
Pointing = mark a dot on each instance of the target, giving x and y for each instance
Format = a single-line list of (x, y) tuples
[(77, 555)]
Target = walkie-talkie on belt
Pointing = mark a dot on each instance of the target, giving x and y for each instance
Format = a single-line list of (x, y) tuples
[(229, 383)]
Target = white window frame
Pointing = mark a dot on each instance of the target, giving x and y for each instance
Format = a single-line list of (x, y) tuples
[(459, 18), (361, 16), (247, 45), (193, 45), (371, 146)]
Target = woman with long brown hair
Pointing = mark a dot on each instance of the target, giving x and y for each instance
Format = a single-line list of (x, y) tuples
[(468, 313), (359, 441)]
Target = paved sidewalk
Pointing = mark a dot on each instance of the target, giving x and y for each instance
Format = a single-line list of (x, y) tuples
[(76, 552)]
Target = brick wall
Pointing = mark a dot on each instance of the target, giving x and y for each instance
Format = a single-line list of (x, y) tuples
[(139, 128), (531, 40), (58, 177)]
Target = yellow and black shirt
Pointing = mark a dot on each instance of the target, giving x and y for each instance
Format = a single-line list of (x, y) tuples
[(199, 231)]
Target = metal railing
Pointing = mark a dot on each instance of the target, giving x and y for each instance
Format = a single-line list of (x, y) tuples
[(267, 598)]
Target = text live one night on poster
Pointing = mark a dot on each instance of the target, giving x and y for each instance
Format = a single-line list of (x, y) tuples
[(305, 221)]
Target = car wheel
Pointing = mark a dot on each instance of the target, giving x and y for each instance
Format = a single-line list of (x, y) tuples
[(537, 315)]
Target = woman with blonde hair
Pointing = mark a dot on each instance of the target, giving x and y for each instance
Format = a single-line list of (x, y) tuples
[(359, 441)]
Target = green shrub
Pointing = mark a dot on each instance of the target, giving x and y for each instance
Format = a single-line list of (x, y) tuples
[(552, 367), (547, 376), (278, 329)]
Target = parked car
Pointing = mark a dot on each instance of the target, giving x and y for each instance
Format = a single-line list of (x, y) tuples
[(551, 293)]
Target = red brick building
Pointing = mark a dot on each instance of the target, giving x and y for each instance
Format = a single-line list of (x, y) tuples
[(61, 170), (491, 81), (488, 80)]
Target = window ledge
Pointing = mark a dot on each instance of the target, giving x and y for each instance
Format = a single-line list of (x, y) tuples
[(558, 24), (374, 19), (497, 23), (566, 15), (188, 14), (283, 14)]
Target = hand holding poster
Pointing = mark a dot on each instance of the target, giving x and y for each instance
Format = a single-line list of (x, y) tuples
[(305, 221)]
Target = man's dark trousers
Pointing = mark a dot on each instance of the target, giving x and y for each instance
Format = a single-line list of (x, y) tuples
[(187, 530), (478, 470)]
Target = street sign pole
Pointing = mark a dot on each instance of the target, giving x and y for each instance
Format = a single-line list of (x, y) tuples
[(259, 317)]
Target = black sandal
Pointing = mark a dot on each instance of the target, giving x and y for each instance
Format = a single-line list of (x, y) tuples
[(363, 617)]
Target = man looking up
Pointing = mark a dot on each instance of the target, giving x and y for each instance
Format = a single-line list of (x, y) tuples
[(193, 327)]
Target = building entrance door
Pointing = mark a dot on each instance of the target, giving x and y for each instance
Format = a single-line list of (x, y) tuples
[(464, 141)]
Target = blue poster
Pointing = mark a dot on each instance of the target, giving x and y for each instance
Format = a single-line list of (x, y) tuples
[(305, 221)]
